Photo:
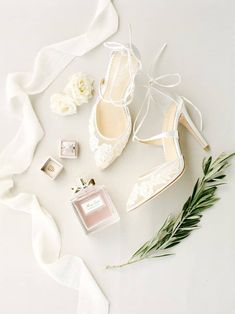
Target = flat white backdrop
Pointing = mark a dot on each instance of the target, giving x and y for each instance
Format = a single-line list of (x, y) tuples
[(199, 279)]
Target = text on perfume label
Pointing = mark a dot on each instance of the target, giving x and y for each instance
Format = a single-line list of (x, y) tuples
[(92, 205)]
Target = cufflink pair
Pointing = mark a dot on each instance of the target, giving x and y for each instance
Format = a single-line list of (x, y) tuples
[(68, 149)]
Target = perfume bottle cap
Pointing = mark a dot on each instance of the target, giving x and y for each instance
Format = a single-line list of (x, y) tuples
[(83, 183)]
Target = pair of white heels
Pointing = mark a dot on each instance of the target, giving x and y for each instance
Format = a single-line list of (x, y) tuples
[(110, 123)]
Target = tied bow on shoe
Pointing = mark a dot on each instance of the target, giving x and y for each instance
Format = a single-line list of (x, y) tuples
[(128, 50), (159, 85)]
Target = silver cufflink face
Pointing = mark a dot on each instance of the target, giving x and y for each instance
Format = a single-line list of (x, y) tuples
[(68, 149)]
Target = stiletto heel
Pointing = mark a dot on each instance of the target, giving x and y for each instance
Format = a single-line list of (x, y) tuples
[(163, 176), (187, 122)]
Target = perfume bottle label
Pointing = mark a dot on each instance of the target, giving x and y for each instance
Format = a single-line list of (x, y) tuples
[(92, 205)]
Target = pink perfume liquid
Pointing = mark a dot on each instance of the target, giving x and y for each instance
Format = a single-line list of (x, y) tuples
[(94, 208)]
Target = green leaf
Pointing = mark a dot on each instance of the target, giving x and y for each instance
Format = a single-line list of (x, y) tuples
[(207, 165), (162, 255), (176, 228)]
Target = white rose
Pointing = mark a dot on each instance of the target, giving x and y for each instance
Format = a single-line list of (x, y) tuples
[(63, 105), (80, 88)]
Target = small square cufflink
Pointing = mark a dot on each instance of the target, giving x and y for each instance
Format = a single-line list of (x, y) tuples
[(68, 149), (52, 168)]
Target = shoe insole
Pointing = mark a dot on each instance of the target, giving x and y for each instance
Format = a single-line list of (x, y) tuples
[(112, 120)]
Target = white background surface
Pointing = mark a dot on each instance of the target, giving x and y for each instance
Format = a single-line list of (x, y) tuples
[(199, 279)]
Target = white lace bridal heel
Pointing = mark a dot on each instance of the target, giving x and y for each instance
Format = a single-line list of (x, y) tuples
[(163, 176), (110, 122)]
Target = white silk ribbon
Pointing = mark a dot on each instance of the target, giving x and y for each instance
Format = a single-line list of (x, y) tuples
[(158, 85), (68, 270)]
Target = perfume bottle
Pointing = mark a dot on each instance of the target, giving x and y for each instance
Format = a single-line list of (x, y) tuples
[(93, 206)]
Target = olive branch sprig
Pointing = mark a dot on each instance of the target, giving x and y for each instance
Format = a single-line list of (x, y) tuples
[(176, 228)]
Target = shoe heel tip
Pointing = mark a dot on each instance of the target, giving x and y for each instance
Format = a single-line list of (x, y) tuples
[(129, 209), (207, 148)]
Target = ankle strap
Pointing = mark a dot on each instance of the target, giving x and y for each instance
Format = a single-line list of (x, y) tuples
[(123, 102), (128, 49), (157, 139), (156, 84)]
